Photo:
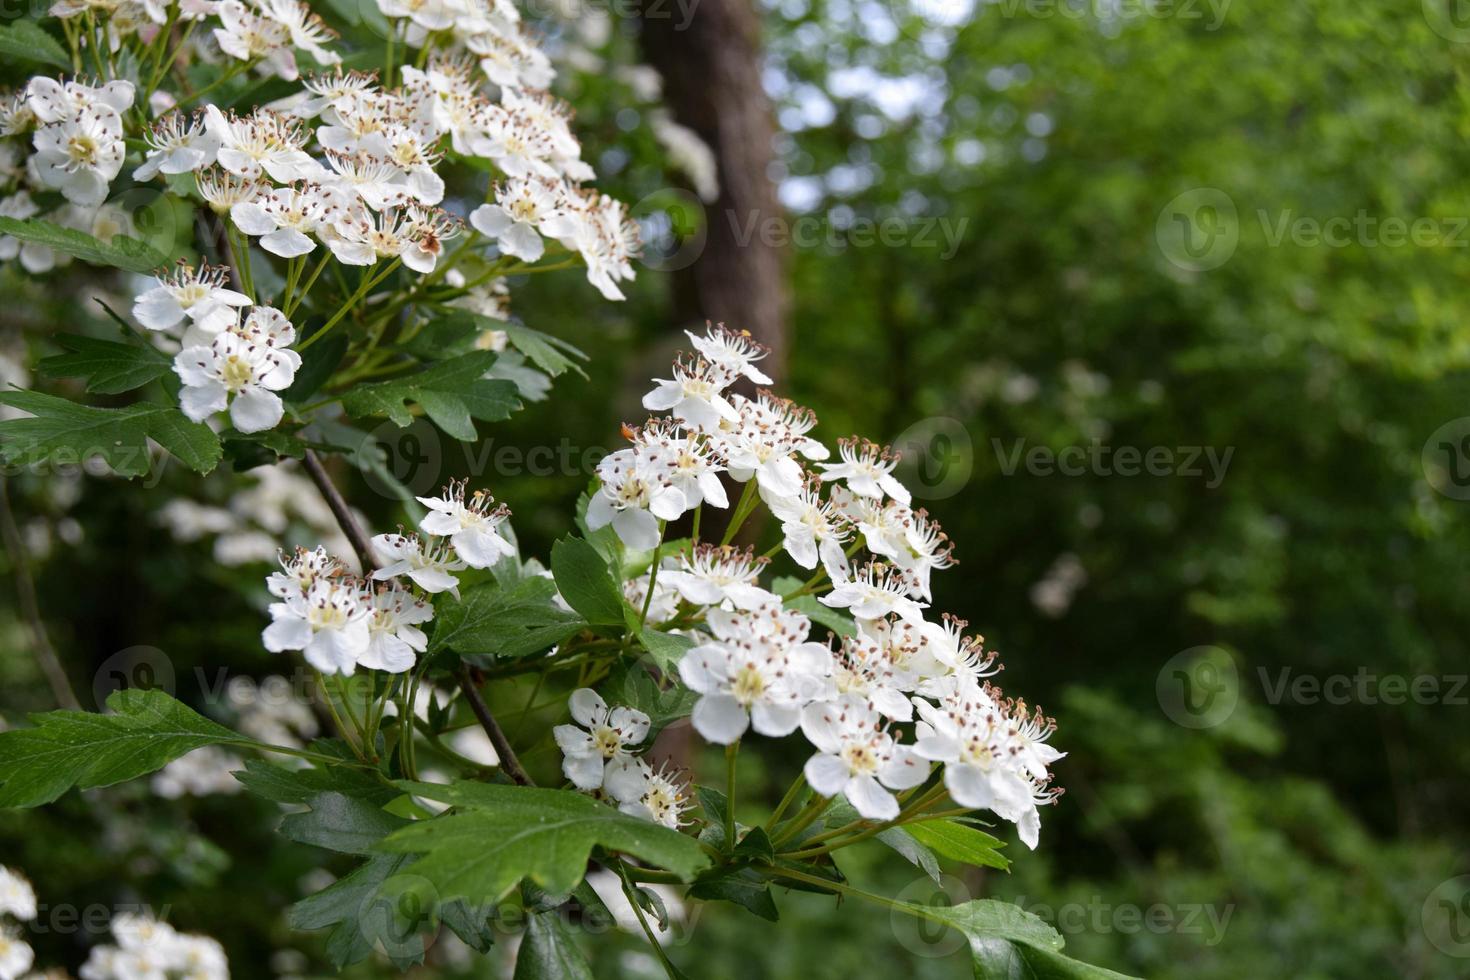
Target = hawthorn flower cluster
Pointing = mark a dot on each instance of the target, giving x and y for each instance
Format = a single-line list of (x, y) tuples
[(155, 950), (341, 621), (146, 948), (906, 690), (598, 757), (17, 902)]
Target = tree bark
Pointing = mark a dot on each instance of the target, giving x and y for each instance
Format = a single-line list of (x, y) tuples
[(708, 52)]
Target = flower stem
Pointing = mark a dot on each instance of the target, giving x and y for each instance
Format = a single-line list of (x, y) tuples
[(631, 892), (742, 511), (795, 789), (368, 282), (653, 574), (731, 751)]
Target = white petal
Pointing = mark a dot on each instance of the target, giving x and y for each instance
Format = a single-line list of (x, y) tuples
[(719, 718), (827, 774), (871, 800), (255, 410)]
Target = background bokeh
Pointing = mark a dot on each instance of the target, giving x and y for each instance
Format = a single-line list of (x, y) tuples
[(1166, 305)]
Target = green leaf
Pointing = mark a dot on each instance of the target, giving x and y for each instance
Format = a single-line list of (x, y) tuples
[(448, 336), (342, 823), (835, 620), (551, 354), (1009, 943), (24, 39), (122, 252), (470, 923), (68, 433), (586, 583), (317, 366), (632, 685), (739, 884), (146, 731), (666, 649), (363, 915), (498, 835), (298, 786), (453, 394), (109, 367), (960, 842), (503, 622), (548, 951)]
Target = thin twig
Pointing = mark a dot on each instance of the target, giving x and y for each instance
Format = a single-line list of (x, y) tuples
[(508, 761), (25, 588), (360, 541)]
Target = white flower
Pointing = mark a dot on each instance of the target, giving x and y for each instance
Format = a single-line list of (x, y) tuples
[(52, 101), (265, 142), (856, 758), (811, 529), (634, 496), (471, 527), (301, 571), (764, 441), (665, 602), (16, 955), (867, 469), (716, 574), (758, 671), (652, 795), (177, 144), (691, 463), (34, 258), (693, 395), (876, 591), (599, 748), (428, 566), (394, 631), (17, 897), (522, 210), (329, 623), (286, 217), (253, 37), (992, 750), (861, 670), (238, 371), (735, 351), (200, 295), (81, 156)]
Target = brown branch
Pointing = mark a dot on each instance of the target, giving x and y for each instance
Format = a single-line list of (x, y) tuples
[(508, 761), (363, 546), (30, 609), (360, 541)]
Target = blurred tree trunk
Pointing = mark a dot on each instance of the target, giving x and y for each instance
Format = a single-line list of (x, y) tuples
[(709, 54)]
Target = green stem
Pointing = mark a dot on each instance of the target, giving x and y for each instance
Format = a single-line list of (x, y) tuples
[(731, 751), (802, 820), (698, 512), (795, 789), (368, 282), (842, 889), (742, 511), (321, 683), (298, 299), (631, 891), (653, 574)]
